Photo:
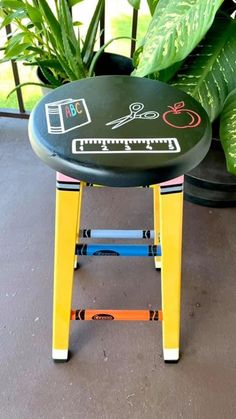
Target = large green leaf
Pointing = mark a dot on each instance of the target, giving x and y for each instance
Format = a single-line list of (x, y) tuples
[(177, 26), (167, 74), (70, 43), (34, 15), (208, 74), (66, 21), (53, 63), (49, 76), (64, 64), (51, 21), (14, 40), (70, 58), (16, 51), (14, 46), (228, 131)]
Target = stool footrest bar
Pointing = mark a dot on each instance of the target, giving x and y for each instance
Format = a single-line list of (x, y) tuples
[(117, 234), (125, 315), (117, 250)]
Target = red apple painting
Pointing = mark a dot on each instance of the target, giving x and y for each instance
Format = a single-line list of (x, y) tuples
[(180, 117)]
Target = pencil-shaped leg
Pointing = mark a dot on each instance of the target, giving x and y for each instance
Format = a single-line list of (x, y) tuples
[(171, 215), (76, 259), (69, 182), (156, 216), (66, 227)]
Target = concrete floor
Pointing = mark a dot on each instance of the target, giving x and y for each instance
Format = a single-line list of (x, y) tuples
[(116, 370)]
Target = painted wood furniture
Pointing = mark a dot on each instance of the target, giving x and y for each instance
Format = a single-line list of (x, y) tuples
[(119, 131)]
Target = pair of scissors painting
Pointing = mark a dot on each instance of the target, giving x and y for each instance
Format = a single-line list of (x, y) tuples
[(135, 109)]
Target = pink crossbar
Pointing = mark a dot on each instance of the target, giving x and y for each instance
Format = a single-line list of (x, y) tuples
[(177, 181)]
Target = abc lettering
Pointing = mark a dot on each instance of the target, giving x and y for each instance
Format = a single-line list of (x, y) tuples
[(67, 111), (73, 110), (77, 106)]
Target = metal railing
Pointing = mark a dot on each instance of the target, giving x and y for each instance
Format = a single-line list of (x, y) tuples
[(21, 112)]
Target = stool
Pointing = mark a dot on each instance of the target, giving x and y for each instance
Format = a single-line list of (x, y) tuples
[(119, 131)]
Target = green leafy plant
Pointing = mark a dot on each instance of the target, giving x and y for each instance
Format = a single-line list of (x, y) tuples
[(191, 44), (228, 131), (50, 39)]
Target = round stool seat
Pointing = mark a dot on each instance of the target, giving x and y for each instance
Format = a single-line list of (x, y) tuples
[(120, 131)]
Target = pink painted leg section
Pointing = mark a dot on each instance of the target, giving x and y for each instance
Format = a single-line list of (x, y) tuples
[(64, 178), (177, 181)]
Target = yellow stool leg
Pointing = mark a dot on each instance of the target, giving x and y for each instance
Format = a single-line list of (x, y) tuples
[(171, 215), (66, 226), (156, 216), (76, 260)]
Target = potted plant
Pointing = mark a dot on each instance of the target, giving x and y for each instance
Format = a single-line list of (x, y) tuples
[(50, 39), (192, 45)]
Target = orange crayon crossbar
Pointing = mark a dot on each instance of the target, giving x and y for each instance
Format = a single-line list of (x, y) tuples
[(125, 315)]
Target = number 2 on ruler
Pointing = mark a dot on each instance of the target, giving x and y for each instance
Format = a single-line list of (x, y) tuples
[(104, 147)]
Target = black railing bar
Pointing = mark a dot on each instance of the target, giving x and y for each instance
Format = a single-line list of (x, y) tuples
[(16, 76), (134, 31), (12, 113)]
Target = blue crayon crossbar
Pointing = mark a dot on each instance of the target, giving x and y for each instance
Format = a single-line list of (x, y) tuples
[(117, 234), (117, 250)]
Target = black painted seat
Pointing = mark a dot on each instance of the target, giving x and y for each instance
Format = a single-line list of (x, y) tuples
[(120, 131)]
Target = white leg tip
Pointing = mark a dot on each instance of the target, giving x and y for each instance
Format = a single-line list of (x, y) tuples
[(171, 354), (157, 264), (58, 354)]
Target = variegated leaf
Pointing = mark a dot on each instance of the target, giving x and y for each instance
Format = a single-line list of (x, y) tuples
[(228, 131), (177, 26), (152, 5), (208, 74)]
